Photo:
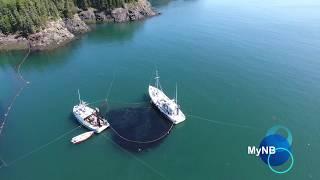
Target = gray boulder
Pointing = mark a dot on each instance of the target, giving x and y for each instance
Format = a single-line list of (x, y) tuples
[(75, 25), (120, 15), (55, 34), (88, 15), (12, 42), (139, 10), (103, 17)]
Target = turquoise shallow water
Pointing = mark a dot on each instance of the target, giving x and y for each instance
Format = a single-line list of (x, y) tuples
[(244, 66)]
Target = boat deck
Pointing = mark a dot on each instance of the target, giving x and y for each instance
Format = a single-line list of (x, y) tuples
[(166, 105)]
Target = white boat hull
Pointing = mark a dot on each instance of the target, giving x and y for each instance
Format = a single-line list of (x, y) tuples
[(91, 127), (82, 111), (158, 98), (82, 137)]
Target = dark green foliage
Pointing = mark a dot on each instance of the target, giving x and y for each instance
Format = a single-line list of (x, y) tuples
[(5, 23), (106, 4), (27, 16), (68, 9), (83, 4)]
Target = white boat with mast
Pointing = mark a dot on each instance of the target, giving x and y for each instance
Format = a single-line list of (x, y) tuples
[(89, 117), (169, 107)]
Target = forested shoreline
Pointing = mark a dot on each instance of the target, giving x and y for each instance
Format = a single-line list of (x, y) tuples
[(48, 24), (27, 16)]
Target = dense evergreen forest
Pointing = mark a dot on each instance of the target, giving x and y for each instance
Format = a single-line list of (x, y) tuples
[(27, 16)]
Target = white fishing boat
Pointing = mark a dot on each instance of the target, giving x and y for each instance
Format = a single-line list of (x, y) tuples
[(89, 117), (169, 107), (82, 137)]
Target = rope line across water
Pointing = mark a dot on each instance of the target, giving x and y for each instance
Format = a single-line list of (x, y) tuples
[(220, 122), (117, 102), (142, 142), (21, 63), (25, 83), (130, 140), (3, 163), (35, 150), (137, 159), (108, 92), (111, 85)]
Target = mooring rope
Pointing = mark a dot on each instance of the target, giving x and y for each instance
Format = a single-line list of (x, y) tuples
[(151, 77), (130, 140), (108, 92), (128, 103), (117, 102), (35, 150), (3, 163), (25, 83), (111, 85), (132, 103), (137, 158), (21, 63), (220, 122), (9, 109), (97, 101), (142, 142)]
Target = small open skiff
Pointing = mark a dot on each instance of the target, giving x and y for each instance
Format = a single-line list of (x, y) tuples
[(82, 137)]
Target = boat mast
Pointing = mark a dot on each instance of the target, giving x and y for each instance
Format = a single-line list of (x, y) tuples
[(177, 99), (79, 96), (98, 117), (176, 93), (157, 79)]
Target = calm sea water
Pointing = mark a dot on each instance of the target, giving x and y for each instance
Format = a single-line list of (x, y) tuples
[(242, 66)]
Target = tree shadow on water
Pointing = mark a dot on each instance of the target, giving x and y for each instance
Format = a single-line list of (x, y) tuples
[(138, 129), (115, 32)]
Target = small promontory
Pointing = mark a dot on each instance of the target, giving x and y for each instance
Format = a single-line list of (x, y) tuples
[(48, 24)]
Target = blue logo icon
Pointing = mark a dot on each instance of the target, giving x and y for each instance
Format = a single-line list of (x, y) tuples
[(282, 146)]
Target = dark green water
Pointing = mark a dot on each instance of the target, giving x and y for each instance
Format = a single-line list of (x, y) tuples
[(247, 63)]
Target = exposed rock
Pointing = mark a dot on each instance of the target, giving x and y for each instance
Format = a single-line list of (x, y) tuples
[(12, 42), (103, 17), (133, 11), (140, 9), (76, 25), (120, 15), (59, 32), (55, 34), (129, 12), (88, 15), (135, 15)]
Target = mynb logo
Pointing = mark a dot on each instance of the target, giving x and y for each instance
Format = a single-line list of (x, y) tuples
[(261, 150)]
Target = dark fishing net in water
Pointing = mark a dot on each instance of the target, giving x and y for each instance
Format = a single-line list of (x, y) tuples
[(138, 128)]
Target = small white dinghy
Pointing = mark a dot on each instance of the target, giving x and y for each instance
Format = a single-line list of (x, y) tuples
[(82, 137)]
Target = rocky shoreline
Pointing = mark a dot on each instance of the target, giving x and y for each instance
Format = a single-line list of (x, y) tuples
[(59, 32)]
